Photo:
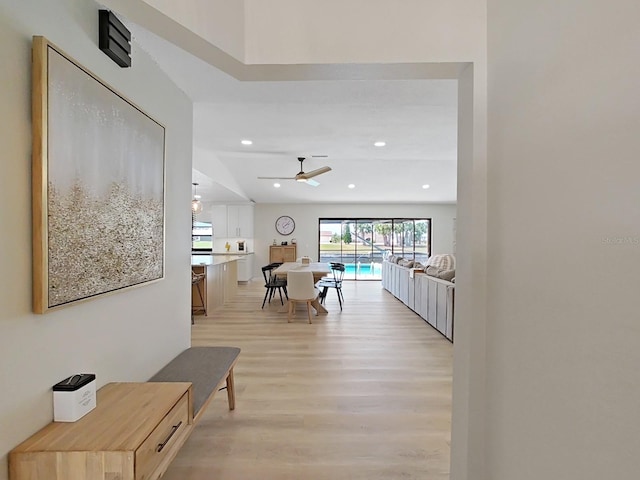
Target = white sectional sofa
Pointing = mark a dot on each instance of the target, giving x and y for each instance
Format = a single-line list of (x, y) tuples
[(428, 290)]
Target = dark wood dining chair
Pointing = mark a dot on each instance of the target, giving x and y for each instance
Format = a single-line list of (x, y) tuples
[(273, 283), (333, 281)]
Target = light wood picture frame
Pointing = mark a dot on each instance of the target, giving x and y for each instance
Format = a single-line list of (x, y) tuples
[(98, 181)]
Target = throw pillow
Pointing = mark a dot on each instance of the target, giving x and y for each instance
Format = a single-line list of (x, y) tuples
[(446, 274), (444, 261), (432, 271)]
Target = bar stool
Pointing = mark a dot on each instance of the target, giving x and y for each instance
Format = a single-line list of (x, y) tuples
[(197, 279)]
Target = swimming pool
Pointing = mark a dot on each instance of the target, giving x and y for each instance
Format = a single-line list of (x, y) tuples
[(372, 270)]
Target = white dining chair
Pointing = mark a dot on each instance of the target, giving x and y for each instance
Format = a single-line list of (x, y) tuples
[(301, 288)]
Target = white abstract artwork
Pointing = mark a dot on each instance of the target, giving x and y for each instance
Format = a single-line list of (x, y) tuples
[(104, 188)]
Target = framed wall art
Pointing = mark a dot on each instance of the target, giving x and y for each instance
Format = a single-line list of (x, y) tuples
[(98, 170)]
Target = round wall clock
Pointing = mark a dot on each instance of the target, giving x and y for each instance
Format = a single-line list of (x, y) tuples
[(285, 225)]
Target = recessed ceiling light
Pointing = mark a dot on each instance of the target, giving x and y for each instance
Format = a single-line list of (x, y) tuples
[(277, 185), (380, 144), (425, 186), (246, 142), (351, 185)]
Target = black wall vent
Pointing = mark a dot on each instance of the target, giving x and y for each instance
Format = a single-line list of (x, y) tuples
[(114, 38)]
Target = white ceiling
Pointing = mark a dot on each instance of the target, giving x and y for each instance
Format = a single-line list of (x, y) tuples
[(339, 118)]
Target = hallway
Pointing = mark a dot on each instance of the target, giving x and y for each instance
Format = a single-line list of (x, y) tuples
[(360, 394)]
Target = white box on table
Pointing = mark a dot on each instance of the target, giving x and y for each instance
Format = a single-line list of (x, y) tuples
[(74, 397)]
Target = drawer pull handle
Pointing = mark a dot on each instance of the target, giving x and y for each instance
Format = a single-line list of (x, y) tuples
[(174, 429)]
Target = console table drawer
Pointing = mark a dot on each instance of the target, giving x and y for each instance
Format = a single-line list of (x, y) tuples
[(162, 440)]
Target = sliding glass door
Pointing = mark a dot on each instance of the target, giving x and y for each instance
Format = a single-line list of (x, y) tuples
[(361, 243)]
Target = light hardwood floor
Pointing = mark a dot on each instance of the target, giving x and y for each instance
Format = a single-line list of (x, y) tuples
[(360, 394)]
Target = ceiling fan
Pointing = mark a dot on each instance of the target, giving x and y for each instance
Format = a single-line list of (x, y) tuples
[(302, 176)]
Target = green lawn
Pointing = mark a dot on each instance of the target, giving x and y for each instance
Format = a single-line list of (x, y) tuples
[(202, 244), (347, 248)]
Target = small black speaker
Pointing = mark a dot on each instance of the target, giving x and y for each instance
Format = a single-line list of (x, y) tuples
[(114, 38)]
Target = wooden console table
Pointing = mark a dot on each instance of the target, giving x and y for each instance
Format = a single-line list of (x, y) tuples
[(133, 433), (282, 253)]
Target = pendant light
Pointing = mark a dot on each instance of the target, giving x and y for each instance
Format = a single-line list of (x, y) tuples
[(196, 204)]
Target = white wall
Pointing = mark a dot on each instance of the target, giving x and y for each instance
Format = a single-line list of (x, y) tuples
[(220, 22), (564, 240), (468, 420), (325, 31), (362, 31), (306, 217), (125, 336)]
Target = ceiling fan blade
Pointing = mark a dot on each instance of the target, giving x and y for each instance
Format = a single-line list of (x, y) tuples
[(302, 176), (276, 178), (314, 173)]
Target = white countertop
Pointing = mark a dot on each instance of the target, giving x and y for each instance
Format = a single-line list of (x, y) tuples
[(215, 259)]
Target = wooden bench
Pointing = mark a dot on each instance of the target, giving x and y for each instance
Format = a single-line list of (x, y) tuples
[(207, 368)]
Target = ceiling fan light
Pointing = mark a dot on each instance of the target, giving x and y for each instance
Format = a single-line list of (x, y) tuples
[(301, 179)]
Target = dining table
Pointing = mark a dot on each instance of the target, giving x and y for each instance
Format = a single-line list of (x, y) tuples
[(318, 269)]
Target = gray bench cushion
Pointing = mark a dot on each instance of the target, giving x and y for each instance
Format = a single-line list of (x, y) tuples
[(204, 367)]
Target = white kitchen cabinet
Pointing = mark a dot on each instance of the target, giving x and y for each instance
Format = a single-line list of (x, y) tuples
[(219, 221), (245, 268), (232, 221), (240, 221)]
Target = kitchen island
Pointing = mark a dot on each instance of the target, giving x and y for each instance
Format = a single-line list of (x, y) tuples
[(220, 282), (245, 264)]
